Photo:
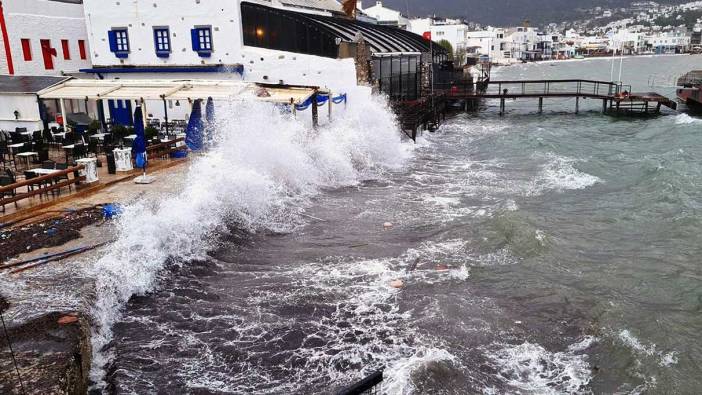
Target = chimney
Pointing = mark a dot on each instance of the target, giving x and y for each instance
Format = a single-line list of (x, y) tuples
[(359, 5)]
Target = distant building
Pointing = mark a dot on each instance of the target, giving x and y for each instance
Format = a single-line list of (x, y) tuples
[(385, 16), (452, 30), (43, 37), (489, 42)]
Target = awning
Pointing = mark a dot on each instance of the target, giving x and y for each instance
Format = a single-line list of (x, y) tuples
[(122, 89)]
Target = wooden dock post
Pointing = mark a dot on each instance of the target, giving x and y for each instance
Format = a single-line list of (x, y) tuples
[(604, 106), (315, 111), (541, 105), (502, 106), (577, 104)]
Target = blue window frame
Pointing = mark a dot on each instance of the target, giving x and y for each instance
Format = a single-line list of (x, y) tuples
[(202, 40), (119, 42), (162, 42)]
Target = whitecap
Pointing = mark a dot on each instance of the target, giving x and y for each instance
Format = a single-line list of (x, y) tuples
[(530, 367)]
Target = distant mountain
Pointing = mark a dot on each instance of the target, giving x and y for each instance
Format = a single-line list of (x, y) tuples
[(504, 12)]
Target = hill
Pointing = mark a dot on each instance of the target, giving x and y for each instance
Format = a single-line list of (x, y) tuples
[(505, 12)]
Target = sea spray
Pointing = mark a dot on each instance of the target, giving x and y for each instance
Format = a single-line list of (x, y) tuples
[(263, 167)]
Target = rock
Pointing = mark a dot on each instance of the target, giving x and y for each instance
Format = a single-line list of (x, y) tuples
[(397, 283), (52, 358), (67, 319)]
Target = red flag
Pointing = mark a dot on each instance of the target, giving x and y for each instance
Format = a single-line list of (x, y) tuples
[(427, 36)]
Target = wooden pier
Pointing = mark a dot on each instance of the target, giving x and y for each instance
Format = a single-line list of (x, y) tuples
[(616, 98)]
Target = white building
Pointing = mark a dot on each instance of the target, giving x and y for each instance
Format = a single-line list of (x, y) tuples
[(452, 30), (278, 42), (42, 37), (628, 42), (489, 42), (384, 15), (523, 42)]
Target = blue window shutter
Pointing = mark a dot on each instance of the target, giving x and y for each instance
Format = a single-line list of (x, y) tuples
[(195, 39), (112, 38)]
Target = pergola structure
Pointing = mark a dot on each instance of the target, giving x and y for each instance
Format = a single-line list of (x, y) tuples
[(142, 90)]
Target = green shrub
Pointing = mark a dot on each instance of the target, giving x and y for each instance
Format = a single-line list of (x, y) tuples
[(150, 132)]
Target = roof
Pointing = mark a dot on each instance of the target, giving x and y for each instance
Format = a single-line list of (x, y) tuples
[(380, 38), (123, 89), (325, 5), (27, 84)]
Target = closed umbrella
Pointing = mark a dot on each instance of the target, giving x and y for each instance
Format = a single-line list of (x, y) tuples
[(139, 147), (209, 119), (193, 134)]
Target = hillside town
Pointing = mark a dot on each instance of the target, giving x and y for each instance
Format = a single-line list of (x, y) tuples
[(604, 32), (336, 196)]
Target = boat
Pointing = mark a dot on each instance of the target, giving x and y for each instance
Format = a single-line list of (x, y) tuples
[(579, 57), (688, 91)]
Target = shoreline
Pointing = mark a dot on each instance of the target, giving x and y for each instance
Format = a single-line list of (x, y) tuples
[(573, 60), (48, 310)]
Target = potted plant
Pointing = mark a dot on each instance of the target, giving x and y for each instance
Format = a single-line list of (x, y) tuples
[(150, 132), (93, 127)]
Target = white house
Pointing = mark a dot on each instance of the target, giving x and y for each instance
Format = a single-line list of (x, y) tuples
[(452, 30), (278, 42), (523, 41), (490, 42), (42, 37), (628, 42), (384, 15)]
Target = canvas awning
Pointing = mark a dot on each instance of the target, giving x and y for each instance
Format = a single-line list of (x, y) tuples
[(122, 89)]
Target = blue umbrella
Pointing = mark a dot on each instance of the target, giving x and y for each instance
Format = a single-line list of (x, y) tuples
[(193, 134), (139, 144)]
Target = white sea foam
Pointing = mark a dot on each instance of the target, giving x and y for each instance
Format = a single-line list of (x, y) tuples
[(663, 358), (685, 119), (260, 173), (399, 377), (559, 174), (530, 367)]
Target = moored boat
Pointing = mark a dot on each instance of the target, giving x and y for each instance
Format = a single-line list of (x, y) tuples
[(688, 90)]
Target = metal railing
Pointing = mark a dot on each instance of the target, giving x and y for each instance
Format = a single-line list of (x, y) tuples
[(545, 88)]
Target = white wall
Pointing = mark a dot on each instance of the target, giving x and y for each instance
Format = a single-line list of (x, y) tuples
[(44, 19), (28, 108), (260, 65)]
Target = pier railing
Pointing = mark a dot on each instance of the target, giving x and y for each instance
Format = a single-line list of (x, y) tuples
[(550, 88)]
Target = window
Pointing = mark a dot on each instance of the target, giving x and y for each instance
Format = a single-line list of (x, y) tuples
[(202, 40), (48, 53), (81, 49), (66, 51), (26, 50), (119, 42), (162, 42)]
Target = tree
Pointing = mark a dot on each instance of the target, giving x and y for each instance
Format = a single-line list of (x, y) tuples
[(447, 46), (459, 57)]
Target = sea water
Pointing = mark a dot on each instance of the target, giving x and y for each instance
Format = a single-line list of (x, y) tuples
[(554, 253)]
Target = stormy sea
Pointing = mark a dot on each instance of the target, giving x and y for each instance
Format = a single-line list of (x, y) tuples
[(552, 253)]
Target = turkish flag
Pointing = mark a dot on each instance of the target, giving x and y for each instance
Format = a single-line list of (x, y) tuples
[(427, 36)]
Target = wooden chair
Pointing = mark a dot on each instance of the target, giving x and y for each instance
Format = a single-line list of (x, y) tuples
[(6, 180)]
